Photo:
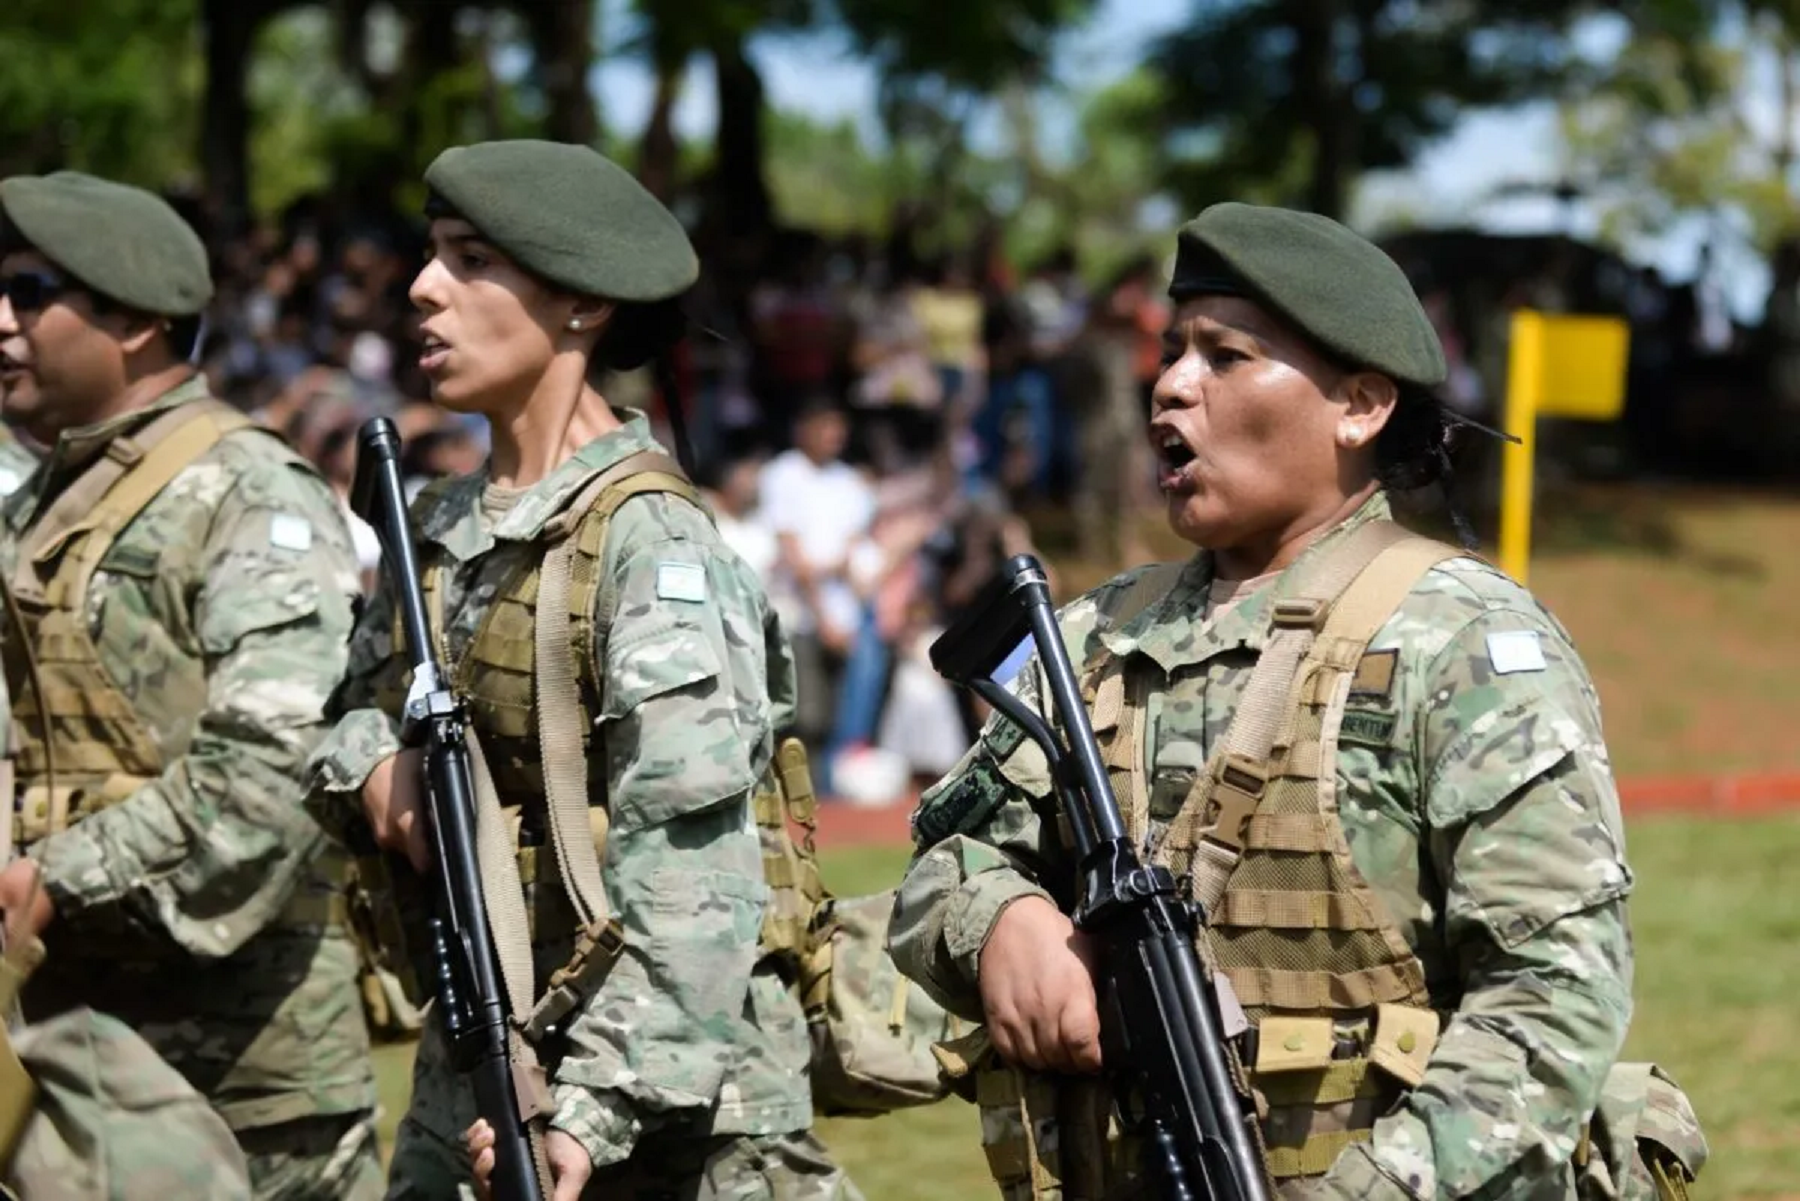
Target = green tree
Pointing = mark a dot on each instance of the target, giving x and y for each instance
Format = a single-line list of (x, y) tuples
[(108, 86), (1669, 129), (1290, 100)]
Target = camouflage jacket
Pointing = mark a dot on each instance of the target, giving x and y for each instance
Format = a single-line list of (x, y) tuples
[(239, 569), (1478, 802), (687, 1027)]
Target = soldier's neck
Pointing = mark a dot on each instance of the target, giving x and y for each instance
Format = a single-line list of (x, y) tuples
[(1277, 552), (545, 432)]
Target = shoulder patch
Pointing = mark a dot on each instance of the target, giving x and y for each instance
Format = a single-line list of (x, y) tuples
[(1515, 651), (290, 531), (681, 582)]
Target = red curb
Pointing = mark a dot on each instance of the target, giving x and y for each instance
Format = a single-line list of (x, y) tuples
[(842, 824), (1744, 795)]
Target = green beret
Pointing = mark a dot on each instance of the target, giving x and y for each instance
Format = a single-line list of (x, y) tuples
[(568, 215), (120, 241), (1335, 287)]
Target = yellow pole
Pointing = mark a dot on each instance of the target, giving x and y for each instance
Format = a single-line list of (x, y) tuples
[(1524, 380)]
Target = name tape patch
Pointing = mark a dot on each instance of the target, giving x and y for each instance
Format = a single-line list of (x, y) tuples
[(681, 582), (290, 532), (1515, 650)]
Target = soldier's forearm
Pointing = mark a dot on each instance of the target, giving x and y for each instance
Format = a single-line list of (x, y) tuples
[(338, 769), (944, 914)]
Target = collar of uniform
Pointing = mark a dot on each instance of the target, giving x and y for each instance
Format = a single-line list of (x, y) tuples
[(76, 448), (1174, 631), (453, 519)]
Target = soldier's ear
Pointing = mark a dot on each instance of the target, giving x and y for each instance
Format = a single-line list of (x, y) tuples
[(136, 331), (1368, 401)]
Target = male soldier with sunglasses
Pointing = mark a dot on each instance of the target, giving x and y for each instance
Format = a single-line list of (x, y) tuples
[(179, 590)]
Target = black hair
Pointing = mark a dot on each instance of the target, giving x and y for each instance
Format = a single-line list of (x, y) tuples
[(814, 402), (639, 333), (1415, 450)]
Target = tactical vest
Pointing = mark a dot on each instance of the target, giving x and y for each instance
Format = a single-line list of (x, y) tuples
[(79, 744), (1338, 1017), (496, 676)]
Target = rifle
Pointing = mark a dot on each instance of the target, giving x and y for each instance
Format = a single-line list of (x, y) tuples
[(1160, 1029), (471, 1000)]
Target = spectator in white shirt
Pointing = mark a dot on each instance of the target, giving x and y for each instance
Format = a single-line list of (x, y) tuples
[(819, 508)]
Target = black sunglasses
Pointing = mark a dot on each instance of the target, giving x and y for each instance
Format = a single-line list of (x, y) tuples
[(30, 291)]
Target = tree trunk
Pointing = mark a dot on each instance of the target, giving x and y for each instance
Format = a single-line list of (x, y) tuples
[(562, 33), (742, 191), (1783, 42), (228, 28), (1323, 109), (658, 152)]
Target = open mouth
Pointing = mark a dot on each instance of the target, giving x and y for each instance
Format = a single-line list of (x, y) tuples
[(434, 352), (1173, 457)]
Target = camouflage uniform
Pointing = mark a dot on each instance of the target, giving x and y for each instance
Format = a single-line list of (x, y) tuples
[(690, 1042), (204, 908), (1477, 801)]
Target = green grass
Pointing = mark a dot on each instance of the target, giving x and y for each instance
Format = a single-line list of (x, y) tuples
[(1718, 943)]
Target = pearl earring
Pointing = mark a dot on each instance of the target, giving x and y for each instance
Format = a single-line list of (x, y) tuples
[(575, 325)]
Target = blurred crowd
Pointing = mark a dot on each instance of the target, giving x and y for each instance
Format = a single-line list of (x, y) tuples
[(869, 423)]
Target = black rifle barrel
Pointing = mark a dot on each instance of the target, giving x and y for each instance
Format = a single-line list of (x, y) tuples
[(471, 997)]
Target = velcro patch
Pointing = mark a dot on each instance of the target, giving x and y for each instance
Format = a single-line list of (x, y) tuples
[(1515, 650), (681, 582), (1368, 727), (1375, 675), (290, 531)]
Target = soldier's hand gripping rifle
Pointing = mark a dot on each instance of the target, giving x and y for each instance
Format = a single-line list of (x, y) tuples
[(1160, 1030), (471, 1000)]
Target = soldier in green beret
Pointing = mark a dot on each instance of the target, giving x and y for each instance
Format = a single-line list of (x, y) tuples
[(180, 587), (1375, 761), (678, 1066)]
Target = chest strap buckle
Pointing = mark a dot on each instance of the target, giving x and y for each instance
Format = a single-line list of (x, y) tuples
[(597, 948)]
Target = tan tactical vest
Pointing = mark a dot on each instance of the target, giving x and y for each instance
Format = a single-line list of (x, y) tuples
[(1339, 1018), (79, 744)]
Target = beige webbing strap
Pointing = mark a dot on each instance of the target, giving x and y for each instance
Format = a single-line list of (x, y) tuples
[(503, 894), (1260, 713), (561, 739), (1239, 771), (115, 489), (562, 750), (1366, 606), (561, 742), (16, 621)]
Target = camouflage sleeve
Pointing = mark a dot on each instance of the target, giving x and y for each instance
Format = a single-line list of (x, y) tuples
[(362, 735), (1524, 832), (209, 852), (686, 729), (981, 844)]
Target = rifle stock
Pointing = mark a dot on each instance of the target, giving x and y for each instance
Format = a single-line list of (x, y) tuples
[(471, 1000), (1164, 1053)]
